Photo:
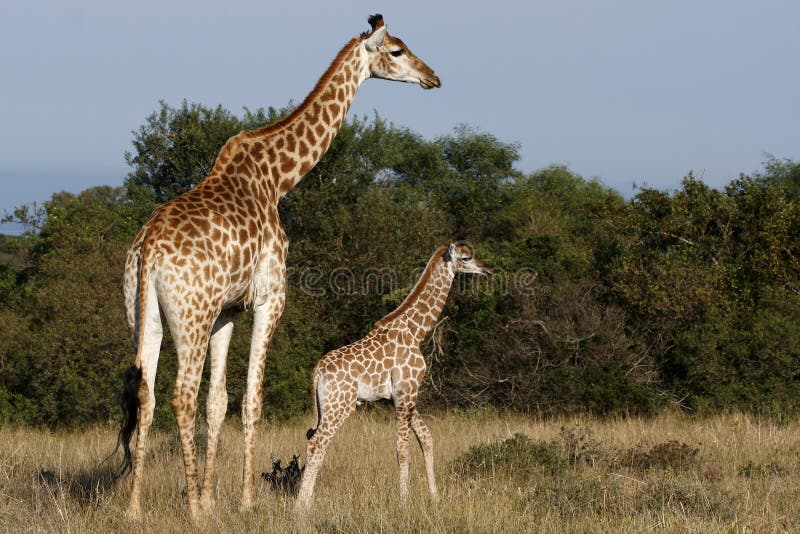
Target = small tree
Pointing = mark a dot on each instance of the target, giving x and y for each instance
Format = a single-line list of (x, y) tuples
[(176, 147)]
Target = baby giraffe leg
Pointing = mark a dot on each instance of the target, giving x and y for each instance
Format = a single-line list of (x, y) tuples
[(403, 412), (335, 409), (426, 444)]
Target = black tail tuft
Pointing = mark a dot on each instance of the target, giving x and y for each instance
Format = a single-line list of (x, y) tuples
[(310, 433), (130, 412)]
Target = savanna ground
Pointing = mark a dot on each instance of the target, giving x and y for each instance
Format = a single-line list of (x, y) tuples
[(496, 473)]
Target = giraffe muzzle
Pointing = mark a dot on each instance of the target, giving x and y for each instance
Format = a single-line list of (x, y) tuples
[(430, 83)]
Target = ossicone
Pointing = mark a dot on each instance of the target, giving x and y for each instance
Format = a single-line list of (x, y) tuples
[(376, 21)]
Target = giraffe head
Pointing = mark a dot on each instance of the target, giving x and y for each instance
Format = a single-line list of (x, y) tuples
[(390, 58), (462, 259)]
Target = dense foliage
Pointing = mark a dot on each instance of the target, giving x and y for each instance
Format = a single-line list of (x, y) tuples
[(597, 303)]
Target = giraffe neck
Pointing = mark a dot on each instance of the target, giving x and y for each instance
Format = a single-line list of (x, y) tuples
[(285, 151), (422, 306)]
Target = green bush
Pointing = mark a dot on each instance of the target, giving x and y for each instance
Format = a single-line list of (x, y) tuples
[(517, 457), (598, 304)]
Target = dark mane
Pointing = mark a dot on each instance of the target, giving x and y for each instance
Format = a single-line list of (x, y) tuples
[(322, 83), (412, 297)]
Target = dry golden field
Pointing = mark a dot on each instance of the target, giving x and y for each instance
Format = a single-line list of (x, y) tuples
[(496, 473)]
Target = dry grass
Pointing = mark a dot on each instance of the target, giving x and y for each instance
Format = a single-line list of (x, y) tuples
[(673, 473)]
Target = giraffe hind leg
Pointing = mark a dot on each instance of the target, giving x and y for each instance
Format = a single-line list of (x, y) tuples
[(404, 413), (330, 421), (184, 406), (191, 336), (143, 379)]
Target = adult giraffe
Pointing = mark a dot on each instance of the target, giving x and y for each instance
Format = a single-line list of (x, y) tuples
[(221, 245)]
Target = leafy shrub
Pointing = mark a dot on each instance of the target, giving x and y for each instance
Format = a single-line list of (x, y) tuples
[(671, 454), (580, 445), (517, 457)]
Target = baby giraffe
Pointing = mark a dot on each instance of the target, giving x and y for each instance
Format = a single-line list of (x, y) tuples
[(385, 364)]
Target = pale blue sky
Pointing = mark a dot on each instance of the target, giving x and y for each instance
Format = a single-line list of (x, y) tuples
[(626, 91)]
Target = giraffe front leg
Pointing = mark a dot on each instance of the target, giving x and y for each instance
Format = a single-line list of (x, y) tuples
[(426, 444), (217, 404), (265, 319)]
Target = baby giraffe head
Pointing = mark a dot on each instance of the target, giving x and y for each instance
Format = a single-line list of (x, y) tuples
[(390, 58), (461, 259)]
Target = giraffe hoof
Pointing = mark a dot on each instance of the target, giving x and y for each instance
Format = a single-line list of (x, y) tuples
[(301, 506), (207, 504), (245, 506), (195, 514), (134, 514)]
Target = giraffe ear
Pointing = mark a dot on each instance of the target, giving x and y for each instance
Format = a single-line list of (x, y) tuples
[(448, 254), (375, 40)]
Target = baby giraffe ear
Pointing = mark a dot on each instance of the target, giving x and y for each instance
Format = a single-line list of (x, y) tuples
[(448, 254), (375, 40)]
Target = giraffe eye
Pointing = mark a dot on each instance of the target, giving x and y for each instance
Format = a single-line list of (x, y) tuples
[(397, 53)]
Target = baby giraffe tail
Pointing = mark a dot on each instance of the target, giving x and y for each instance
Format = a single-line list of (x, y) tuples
[(315, 403)]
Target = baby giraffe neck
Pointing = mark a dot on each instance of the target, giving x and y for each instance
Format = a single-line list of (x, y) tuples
[(421, 308)]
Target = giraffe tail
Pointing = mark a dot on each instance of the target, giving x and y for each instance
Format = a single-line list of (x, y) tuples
[(132, 379), (315, 403), (130, 412)]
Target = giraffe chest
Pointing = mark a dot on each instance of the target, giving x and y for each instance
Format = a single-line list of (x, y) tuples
[(264, 275)]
